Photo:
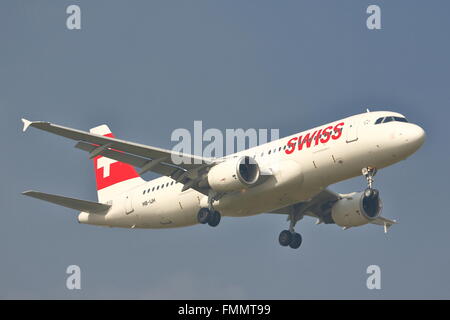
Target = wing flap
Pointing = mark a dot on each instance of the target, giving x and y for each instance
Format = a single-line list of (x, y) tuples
[(72, 203), (188, 178), (318, 206), (160, 168)]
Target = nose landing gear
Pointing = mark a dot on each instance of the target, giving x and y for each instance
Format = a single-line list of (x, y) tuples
[(369, 173), (370, 193)]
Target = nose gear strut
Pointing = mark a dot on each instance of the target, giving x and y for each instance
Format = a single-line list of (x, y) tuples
[(369, 173), (370, 193)]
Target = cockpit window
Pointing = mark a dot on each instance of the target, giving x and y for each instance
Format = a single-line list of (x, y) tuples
[(400, 119), (379, 120), (389, 119)]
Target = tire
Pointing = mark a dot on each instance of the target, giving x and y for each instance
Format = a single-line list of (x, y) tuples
[(371, 193), (296, 241), (214, 218), (368, 193), (376, 193), (285, 238), (203, 215)]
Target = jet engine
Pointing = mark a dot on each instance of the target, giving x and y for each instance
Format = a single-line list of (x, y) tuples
[(233, 174), (357, 208)]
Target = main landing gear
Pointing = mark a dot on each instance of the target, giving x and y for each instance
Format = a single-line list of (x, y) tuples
[(290, 237), (209, 215)]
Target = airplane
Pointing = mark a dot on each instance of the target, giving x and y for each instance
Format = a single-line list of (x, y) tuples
[(289, 176)]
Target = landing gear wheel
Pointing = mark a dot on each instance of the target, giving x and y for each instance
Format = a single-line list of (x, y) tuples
[(203, 215), (368, 193), (285, 238), (296, 241), (371, 193), (211, 217), (214, 218)]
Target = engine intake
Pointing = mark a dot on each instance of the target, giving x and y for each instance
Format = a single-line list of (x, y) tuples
[(357, 208), (234, 174)]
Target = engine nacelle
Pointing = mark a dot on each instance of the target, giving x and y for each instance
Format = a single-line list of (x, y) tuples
[(233, 174), (357, 208)]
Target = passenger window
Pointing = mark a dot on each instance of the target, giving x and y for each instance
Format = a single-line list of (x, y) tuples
[(143, 192)]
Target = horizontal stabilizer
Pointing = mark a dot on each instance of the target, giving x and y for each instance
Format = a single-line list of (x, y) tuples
[(80, 205)]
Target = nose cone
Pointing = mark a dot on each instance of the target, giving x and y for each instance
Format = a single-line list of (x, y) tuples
[(414, 136)]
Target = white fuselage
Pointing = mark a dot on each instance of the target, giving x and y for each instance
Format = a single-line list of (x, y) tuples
[(297, 175)]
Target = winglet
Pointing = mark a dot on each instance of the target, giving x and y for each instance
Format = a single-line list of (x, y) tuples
[(388, 224), (26, 124)]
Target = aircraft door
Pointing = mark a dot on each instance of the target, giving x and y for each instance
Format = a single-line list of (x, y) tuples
[(128, 204), (352, 132)]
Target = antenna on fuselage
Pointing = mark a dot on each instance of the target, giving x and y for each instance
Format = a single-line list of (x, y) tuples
[(368, 110)]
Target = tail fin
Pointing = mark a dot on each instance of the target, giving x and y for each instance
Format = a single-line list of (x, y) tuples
[(112, 177)]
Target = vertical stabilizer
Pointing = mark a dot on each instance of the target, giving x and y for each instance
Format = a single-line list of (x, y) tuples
[(112, 177)]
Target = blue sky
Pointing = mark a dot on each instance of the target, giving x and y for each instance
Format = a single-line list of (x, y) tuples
[(148, 67)]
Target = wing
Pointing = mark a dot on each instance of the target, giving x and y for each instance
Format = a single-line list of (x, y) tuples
[(81, 205), (320, 207), (184, 168), (102, 143)]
